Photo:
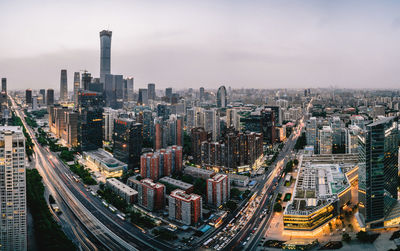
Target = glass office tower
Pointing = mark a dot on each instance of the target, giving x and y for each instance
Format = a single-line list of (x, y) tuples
[(378, 167)]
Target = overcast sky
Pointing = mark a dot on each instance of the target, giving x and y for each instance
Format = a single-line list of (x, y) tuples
[(260, 44)]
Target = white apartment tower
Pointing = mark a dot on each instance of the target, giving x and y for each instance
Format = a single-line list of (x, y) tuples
[(13, 229)]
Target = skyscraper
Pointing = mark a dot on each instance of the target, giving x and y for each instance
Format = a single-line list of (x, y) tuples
[(105, 54), (143, 97), (90, 109), (86, 80), (113, 89), (129, 89), (13, 226), (378, 163), (50, 97), (151, 91), (4, 84), (43, 94), (222, 99), (63, 86), (211, 123), (168, 93), (77, 84), (201, 93), (28, 96), (128, 139)]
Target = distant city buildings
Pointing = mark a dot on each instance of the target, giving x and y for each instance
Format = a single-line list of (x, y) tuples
[(63, 86)]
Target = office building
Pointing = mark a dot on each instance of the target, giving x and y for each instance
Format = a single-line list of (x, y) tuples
[(268, 125), (90, 109), (4, 84), (50, 97), (28, 96), (325, 140), (378, 168), (124, 191), (63, 86), (128, 89), (128, 140), (168, 93), (105, 54), (218, 190), (42, 93), (13, 224), (151, 91), (70, 132), (201, 97), (113, 89), (185, 208), (222, 97), (151, 195), (86, 80), (143, 97), (77, 85), (34, 103)]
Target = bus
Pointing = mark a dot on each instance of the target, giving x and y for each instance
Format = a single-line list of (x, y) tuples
[(121, 217)]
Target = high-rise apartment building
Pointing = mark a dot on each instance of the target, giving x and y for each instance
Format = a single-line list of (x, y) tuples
[(222, 97), (50, 97), (198, 136), (4, 84), (268, 125), (185, 208), (77, 85), (218, 190), (151, 195), (378, 168), (151, 91), (90, 109), (63, 86), (28, 96), (13, 225), (211, 123), (128, 140), (232, 119), (311, 132), (149, 165), (105, 54)]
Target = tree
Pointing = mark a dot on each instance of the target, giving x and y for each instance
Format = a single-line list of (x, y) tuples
[(231, 205), (346, 237), (295, 162), (362, 236), (289, 166), (277, 207), (235, 193)]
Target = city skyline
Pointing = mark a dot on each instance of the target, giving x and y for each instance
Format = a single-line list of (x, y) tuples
[(259, 45)]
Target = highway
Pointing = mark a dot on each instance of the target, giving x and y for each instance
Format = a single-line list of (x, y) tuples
[(106, 228)]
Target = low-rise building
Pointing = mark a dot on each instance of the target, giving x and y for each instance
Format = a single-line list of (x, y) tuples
[(198, 172), (185, 208), (239, 180), (126, 192), (105, 163), (188, 188), (322, 188)]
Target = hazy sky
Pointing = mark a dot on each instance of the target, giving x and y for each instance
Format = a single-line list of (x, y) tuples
[(261, 44)]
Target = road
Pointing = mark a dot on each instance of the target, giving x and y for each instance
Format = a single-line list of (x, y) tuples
[(112, 232)]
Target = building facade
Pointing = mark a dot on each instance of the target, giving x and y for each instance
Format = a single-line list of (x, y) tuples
[(218, 190), (185, 208)]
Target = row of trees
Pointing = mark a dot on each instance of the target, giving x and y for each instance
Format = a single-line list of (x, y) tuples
[(48, 233)]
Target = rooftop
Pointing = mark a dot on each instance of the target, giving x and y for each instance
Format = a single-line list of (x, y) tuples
[(175, 182), (151, 183), (121, 186), (105, 158), (180, 194)]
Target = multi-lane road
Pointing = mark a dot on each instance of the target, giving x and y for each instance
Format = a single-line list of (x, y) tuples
[(91, 224)]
